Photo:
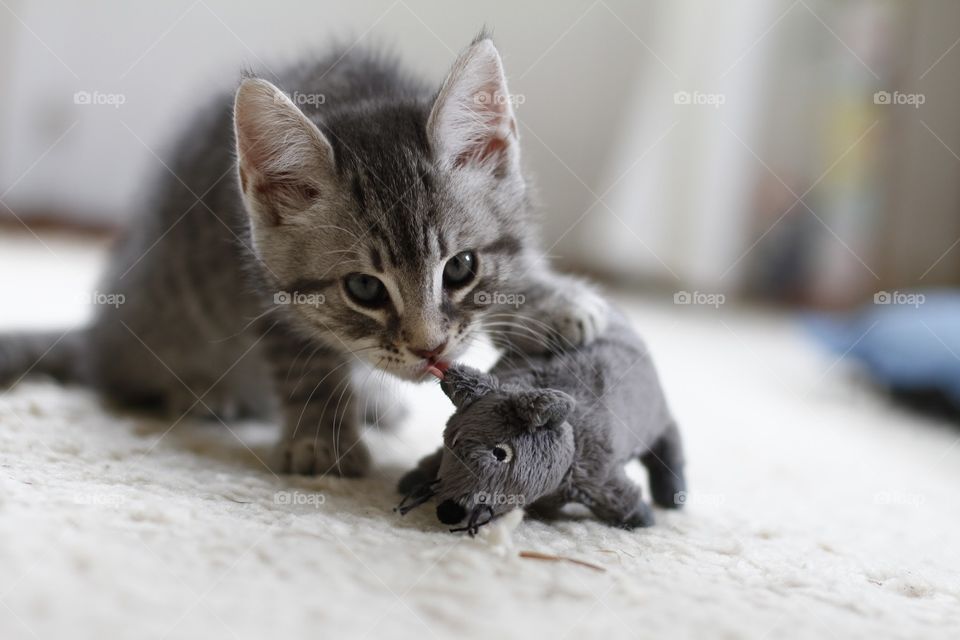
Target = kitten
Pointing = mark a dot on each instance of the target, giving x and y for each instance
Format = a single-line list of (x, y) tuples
[(374, 225)]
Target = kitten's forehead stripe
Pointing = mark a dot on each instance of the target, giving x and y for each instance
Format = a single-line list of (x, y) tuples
[(505, 244), (376, 260), (358, 193), (442, 243), (425, 235), (309, 285)]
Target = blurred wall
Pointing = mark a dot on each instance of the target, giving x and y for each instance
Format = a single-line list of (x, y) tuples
[(730, 146), (165, 59)]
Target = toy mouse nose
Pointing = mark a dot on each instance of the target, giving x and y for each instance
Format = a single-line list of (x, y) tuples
[(429, 354), (449, 512)]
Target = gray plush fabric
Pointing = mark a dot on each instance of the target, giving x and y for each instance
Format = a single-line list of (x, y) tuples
[(542, 431)]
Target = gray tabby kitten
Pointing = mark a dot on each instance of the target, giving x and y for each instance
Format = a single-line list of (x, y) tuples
[(311, 245)]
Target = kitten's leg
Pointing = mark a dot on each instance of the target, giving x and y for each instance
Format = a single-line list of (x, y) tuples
[(549, 311), (320, 414), (618, 502), (425, 472), (664, 464)]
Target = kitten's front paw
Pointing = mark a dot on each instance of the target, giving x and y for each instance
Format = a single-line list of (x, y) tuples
[(579, 318), (641, 517), (313, 456)]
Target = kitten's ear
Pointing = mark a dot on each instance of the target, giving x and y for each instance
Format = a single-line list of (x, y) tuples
[(542, 408), (465, 384), (472, 122), (282, 156)]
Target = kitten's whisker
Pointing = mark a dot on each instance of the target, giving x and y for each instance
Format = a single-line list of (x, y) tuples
[(338, 426), (545, 340), (333, 226), (323, 412), (505, 345), (307, 402), (549, 336), (297, 357), (245, 327)]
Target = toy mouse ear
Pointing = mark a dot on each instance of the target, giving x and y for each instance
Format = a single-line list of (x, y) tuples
[(465, 384), (543, 408)]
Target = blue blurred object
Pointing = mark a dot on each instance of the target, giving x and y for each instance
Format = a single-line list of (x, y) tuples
[(909, 342)]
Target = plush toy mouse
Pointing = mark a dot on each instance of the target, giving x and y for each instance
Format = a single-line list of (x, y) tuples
[(541, 432)]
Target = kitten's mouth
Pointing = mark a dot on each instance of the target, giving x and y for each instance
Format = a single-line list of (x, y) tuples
[(426, 368), (436, 368)]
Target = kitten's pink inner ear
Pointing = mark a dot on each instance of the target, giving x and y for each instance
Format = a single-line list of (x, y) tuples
[(282, 155), (472, 122)]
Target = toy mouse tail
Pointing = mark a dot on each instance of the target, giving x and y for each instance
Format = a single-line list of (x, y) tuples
[(664, 464), (55, 353)]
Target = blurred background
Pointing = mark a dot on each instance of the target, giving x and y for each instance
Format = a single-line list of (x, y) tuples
[(799, 152)]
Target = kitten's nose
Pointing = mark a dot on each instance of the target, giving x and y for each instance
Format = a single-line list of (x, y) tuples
[(429, 354)]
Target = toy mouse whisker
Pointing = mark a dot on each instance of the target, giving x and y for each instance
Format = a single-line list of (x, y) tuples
[(473, 526), (417, 497)]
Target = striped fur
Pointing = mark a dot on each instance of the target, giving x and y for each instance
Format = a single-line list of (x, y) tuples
[(233, 276)]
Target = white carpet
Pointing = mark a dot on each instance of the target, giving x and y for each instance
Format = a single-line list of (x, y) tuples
[(816, 510)]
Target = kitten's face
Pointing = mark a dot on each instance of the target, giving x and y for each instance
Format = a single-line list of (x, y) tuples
[(399, 279), (386, 234)]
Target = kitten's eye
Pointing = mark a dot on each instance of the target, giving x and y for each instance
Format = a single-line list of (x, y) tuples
[(366, 290), (502, 452), (460, 269)]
